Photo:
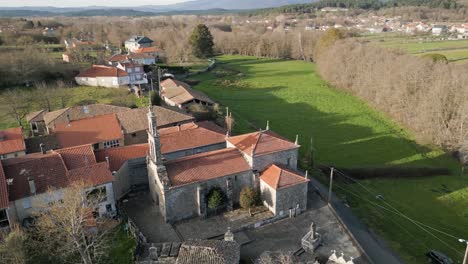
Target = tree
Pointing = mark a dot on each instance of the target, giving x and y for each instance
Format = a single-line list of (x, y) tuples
[(16, 104), (39, 24), (248, 198), (202, 42), (13, 247), (215, 198), (65, 228), (327, 40), (436, 57), (28, 25)]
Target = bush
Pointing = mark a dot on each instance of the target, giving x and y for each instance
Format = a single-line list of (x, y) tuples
[(201, 112), (215, 198), (435, 57), (249, 198)]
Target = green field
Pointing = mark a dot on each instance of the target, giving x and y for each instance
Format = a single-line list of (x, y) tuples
[(454, 50), (349, 133), (78, 95)]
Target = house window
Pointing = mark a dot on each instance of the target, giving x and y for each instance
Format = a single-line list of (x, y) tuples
[(4, 156), (111, 143), (129, 70), (4, 218), (137, 69), (289, 162), (26, 203), (134, 134), (34, 127)]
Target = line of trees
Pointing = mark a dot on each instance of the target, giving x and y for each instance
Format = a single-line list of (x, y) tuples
[(429, 97)]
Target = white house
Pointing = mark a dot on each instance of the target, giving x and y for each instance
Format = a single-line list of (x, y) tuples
[(104, 76), (438, 30), (136, 73), (136, 42)]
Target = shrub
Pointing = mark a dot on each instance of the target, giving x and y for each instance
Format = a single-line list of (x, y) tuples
[(155, 99), (201, 112), (215, 198), (249, 198), (435, 57)]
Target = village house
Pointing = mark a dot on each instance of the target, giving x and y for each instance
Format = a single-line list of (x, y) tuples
[(103, 131), (118, 58), (181, 95), (24, 182), (438, 30), (36, 122), (136, 42), (154, 52), (103, 76), (136, 73), (12, 143), (142, 58)]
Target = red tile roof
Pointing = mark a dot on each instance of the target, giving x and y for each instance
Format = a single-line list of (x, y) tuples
[(3, 189), (191, 135), (102, 71), (76, 157), (49, 170), (147, 50), (88, 131), (119, 58), (46, 170), (118, 156), (206, 166), (262, 142), (11, 140), (92, 175), (278, 177)]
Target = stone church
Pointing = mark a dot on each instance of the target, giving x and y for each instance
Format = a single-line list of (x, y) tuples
[(263, 160)]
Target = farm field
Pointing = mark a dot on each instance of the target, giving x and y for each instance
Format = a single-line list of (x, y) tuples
[(348, 133), (454, 50)]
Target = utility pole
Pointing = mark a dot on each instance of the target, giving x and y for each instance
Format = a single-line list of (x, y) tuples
[(159, 81), (331, 184), (465, 259)]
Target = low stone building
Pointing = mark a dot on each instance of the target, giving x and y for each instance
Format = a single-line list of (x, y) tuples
[(12, 143), (181, 95), (283, 189), (36, 122)]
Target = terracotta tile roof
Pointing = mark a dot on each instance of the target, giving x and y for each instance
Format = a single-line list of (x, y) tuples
[(118, 156), (3, 189), (80, 112), (50, 170), (46, 170), (140, 56), (77, 157), (93, 175), (137, 120), (102, 71), (11, 140), (88, 131), (209, 252), (36, 116), (147, 50), (119, 58), (191, 135), (261, 142), (206, 166), (180, 92), (279, 177)]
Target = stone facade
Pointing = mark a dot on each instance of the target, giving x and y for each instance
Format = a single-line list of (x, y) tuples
[(133, 174), (110, 82), (184, 202), (281, 200)]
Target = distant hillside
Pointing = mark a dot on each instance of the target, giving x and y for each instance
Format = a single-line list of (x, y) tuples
[(226, 4)]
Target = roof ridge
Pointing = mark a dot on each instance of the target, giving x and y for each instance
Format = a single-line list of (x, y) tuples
[(199, 155)]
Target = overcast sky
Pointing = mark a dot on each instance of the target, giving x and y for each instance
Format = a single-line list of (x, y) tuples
[(81, 3)]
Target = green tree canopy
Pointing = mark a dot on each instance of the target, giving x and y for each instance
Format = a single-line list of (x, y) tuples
[(436, 57), (202, 42), (248, 198), (215, 198)]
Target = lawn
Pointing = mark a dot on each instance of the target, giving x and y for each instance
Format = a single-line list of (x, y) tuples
[(122, 247), (79, 95), (348, 133)]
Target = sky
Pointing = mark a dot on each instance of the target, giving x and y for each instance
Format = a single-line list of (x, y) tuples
[(82, 3)]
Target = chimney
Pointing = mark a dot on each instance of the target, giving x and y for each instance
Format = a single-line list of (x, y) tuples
[(68, 118), (178, 127), (43, 150), (297, 140), (108, 162), (32, 186), (268, 125), (306, 174)]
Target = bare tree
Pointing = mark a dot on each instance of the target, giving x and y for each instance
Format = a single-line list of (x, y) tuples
[(66, 225), (16, 104), (12, 248)]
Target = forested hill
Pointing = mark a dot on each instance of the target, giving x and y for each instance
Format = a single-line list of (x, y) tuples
[(362, 4)]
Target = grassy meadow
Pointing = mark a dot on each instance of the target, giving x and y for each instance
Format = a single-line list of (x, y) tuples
[(348, 133), (455, 50)]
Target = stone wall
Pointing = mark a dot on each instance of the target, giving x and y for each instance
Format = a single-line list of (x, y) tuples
[(268, 196), (138, 137), (182, 201), (132, 174), (287, 158), (290, 197)]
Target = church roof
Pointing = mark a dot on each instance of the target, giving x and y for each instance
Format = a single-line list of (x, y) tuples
[(279, 177), (206, 166), (192, 135), (261, 142)]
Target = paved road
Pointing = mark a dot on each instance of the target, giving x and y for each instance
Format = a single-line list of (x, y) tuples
[(374, 247)]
